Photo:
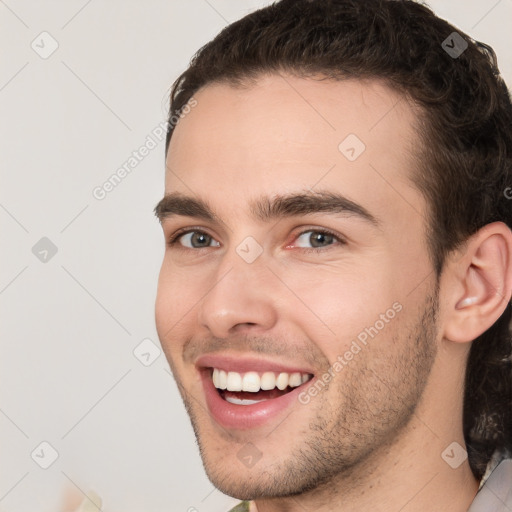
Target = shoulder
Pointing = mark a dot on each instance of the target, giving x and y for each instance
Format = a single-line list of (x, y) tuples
[(495, 495)]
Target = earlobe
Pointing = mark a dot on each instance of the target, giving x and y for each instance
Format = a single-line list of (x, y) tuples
[(480, 283)]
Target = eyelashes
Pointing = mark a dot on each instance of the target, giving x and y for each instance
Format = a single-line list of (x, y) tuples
[(192, 236)]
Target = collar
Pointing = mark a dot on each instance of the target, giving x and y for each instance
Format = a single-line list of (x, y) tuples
[(495, 493)]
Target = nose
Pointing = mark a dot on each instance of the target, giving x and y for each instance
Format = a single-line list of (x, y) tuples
[(239, 298)]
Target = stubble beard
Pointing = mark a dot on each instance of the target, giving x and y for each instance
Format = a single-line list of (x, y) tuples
[(377, 397)]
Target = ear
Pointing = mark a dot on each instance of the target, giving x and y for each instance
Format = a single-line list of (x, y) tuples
[(478, 283)]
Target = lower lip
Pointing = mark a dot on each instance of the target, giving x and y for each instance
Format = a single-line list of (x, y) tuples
[(244, 417)]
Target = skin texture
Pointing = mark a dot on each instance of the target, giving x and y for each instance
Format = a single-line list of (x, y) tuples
[(373, 437)]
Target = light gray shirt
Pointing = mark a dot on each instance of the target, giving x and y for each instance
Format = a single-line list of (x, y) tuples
[(495, 495)]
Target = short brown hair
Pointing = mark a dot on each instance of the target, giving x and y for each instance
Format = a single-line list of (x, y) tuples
[(465, 132)]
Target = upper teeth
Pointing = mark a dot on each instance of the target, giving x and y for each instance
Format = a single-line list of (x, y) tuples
[(253, 381)]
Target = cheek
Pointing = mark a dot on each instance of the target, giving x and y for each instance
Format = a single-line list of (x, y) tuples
[(174, 303), (337, 304)]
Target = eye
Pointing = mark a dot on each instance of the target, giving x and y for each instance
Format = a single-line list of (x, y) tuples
[(194, 240), (316, 239)]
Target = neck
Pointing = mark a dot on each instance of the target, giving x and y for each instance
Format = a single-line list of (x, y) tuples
[(414, 472), (414, 479)]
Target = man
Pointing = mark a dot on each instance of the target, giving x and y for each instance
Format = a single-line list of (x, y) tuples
[(334, 298)]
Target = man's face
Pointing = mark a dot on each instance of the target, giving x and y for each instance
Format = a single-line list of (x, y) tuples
[(310, 263)]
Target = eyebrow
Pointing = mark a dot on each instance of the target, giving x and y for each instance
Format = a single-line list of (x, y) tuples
[(267, 208)]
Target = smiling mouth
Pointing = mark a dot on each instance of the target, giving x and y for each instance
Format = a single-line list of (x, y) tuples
[(254, 387)]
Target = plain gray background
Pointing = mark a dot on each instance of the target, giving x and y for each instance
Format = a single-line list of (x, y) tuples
[(72, 319)]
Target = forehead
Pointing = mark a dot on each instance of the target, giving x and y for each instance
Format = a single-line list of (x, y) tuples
[(284, 133)]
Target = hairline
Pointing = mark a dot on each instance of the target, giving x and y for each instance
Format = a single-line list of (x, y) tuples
[(420, 127)]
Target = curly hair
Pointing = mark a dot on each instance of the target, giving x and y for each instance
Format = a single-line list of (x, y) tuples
[(464, 158)]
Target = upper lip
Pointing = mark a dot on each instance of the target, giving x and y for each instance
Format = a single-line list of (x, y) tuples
[(242, 364)]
